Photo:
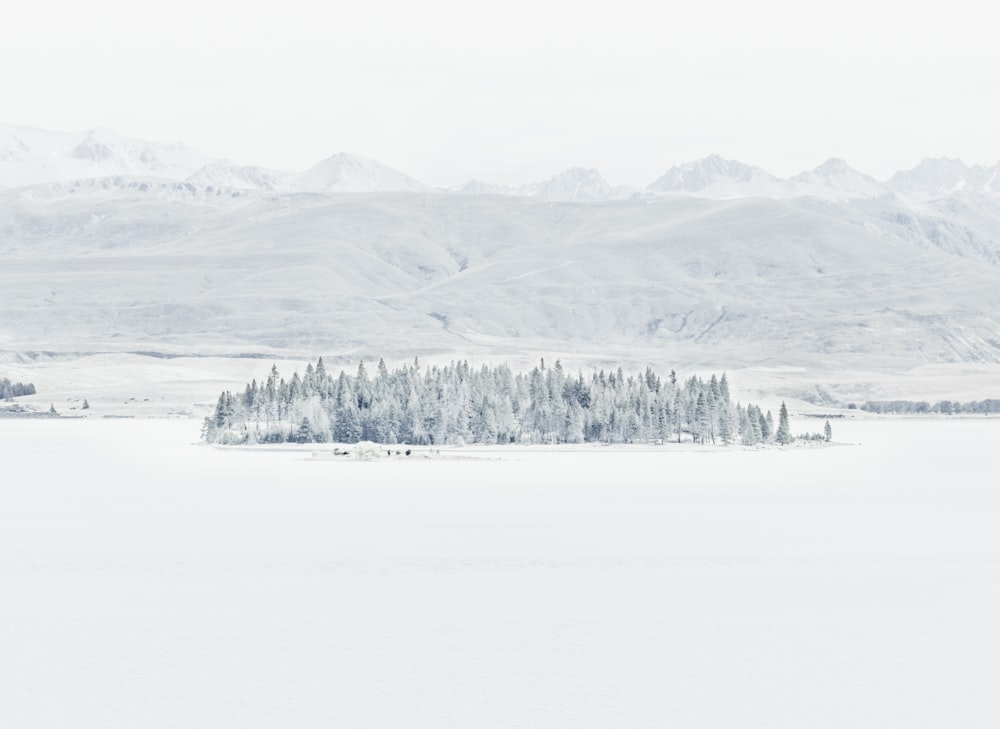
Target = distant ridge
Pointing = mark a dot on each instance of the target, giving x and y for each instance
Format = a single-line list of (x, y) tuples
[(224, 173), (31, 156), (939, 177)]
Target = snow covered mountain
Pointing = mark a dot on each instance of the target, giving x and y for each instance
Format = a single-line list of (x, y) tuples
[(340, 173), (939, 177), (835, 179), (579, 184), (30, 156), (719, 178), (224, 173), (354, 173)]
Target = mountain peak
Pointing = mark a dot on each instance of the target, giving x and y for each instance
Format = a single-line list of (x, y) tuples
[(835, 180), (95, 146), (715, 176), (574, 184), (833, 169), (348, 158), (580, 184), (31, 156), (347, 172), (834, 166), (935, 177), (580, 172)]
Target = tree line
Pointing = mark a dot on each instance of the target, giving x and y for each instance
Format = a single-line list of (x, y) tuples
[(10, 389), (458, 403), (944, 407)]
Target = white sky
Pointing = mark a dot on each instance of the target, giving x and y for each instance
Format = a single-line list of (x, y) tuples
[(516, 91)]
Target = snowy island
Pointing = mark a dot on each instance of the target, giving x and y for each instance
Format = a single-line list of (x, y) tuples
[(458, 404)]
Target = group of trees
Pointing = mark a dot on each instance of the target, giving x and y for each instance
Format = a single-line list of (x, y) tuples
[(944, 407), (10, 389), (458, 403)]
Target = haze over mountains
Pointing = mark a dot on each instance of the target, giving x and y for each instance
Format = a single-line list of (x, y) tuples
[(158, 248), (30, 156)]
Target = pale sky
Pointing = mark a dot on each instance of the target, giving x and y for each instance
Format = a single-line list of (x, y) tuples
[(516, 91)]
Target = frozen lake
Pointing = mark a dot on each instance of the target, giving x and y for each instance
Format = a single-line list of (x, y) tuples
[(150, 582)]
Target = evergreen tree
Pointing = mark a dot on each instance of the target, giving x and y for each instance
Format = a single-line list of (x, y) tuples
[(678, 414), (784, 434), (701, 418), (827, 431), (725, 426), (768, 429), (749, 434), (349, 428), (305, 432)]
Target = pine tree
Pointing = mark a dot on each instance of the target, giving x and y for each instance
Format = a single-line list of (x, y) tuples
[(678, 414), (725, 425), (702, 416), (827, 431), (348, 428), (305, 432), (784, 434), (748, 433), (86, 406), (763, 431)]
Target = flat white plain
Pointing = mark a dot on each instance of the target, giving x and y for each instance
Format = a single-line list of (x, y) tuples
[(150, 581)]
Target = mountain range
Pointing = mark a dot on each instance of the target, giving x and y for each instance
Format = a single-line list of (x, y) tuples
[(714, 264), (31, 156)]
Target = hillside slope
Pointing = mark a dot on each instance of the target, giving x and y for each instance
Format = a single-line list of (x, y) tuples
[(138, 264)]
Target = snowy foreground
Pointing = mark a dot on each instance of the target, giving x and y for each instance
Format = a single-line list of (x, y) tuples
[(152, 582)]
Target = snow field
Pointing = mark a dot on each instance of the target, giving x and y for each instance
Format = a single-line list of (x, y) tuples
[(152, 582)]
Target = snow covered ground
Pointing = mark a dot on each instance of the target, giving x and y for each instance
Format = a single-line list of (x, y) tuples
[(152, 582)]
